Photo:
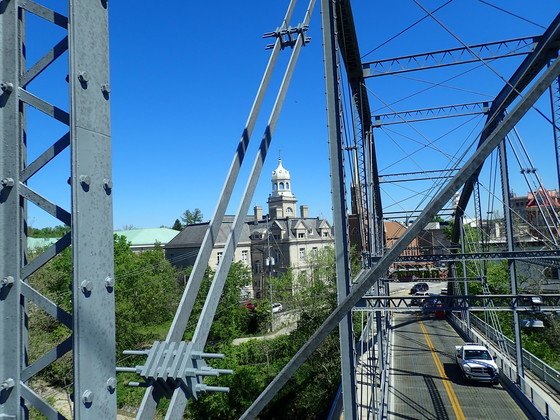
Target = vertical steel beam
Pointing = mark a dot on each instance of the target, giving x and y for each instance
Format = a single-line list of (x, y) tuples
[(92, 228), (554, 91), (511, 263), (340, 222), (12, 214)]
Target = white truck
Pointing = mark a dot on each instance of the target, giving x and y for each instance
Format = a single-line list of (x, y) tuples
[(476, 363)]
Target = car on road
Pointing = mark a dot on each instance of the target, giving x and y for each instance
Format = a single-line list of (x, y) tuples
[(419, 298), (277, 307), (476, 363), (419, 287)]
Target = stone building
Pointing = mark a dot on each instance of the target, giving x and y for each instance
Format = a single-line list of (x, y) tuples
[(270, 244)]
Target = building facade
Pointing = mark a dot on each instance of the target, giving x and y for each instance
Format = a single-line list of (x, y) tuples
[(270, 244)]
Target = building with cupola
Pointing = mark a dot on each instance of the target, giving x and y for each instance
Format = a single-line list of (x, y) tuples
[(282, 239), (269, 244)]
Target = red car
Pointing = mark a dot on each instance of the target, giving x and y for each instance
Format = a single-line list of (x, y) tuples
[(249, 305)]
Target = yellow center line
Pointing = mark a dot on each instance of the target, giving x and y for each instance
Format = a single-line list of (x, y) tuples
[(446, 382)]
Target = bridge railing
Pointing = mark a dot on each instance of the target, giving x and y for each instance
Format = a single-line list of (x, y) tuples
[(540, 369), (534, 398)]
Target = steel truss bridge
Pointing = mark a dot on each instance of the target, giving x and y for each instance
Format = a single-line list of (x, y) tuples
[(175, 369)]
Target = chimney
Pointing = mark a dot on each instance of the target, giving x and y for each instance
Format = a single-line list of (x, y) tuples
[(258, 213), (303, 211)]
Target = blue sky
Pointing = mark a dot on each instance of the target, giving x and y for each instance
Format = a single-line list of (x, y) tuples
[(184, 75)]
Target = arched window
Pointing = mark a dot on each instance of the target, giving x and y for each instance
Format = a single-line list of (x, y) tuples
[(287, 185), (275, 186), (281, 186), (289, 210)]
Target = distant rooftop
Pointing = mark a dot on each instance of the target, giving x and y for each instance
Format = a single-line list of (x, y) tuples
[(143, 237)]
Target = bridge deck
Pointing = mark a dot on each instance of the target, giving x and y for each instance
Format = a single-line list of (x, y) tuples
[(425, 382)]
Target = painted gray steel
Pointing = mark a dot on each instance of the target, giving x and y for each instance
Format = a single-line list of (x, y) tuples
[(367, 279)]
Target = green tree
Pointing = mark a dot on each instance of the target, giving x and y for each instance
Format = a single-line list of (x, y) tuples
[(177, 225), (190, 217), (48, 232)]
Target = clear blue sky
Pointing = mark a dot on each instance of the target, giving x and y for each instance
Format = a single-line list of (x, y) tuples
[(184, 75)]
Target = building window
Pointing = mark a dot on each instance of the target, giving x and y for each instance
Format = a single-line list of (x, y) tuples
[(257, 267), (278, 255), (219, 257), (281, 186), (289, 210), (301, 235), (276, 236), (244, 255), (287, 185), (325, 234), (315, 250), (302, 253)]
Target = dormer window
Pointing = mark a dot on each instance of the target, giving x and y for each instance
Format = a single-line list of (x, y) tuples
[(301, 235)]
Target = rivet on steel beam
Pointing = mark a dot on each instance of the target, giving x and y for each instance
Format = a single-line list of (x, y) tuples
[(105, 88), (83, 76), (6, 87), (7, 384), (107, 184), (6, 280), (86, 286), (109, 282), (87, 397), (7, 182), (85, 180), (111, 384)]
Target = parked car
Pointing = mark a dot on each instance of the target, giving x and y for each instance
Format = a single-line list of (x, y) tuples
[(249, 305), (476, 363), (277, 307), (419, 287)]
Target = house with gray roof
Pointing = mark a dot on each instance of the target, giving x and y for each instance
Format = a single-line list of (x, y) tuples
[(182, 250)]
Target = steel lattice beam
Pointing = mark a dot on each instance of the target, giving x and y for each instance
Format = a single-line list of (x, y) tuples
[(450, 57), (426, 114), (89, 139), (521, 303)]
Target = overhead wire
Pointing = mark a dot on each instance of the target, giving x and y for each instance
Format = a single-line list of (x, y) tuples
[(404, 30), (485, 62), (511, 14)]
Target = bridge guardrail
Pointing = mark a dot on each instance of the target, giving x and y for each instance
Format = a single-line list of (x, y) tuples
[(544, 372)]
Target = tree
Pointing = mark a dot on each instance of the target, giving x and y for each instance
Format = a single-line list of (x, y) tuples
[(190, 217), (177, 225)]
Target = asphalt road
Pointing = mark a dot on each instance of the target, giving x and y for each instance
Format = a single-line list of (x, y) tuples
[(426, 383)]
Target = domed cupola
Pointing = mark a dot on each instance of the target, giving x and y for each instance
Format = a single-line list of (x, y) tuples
[(281, 202), (281, 181)]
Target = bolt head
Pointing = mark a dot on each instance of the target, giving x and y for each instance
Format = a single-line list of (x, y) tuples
[(85, 180), (111, 384), (87, 396), (87, 286), (83, 76), (109, 282), (105, 88), (7, 182), (107, 184), (7, 87), (6, 280)]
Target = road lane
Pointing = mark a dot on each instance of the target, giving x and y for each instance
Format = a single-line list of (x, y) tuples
[(418, 390)]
